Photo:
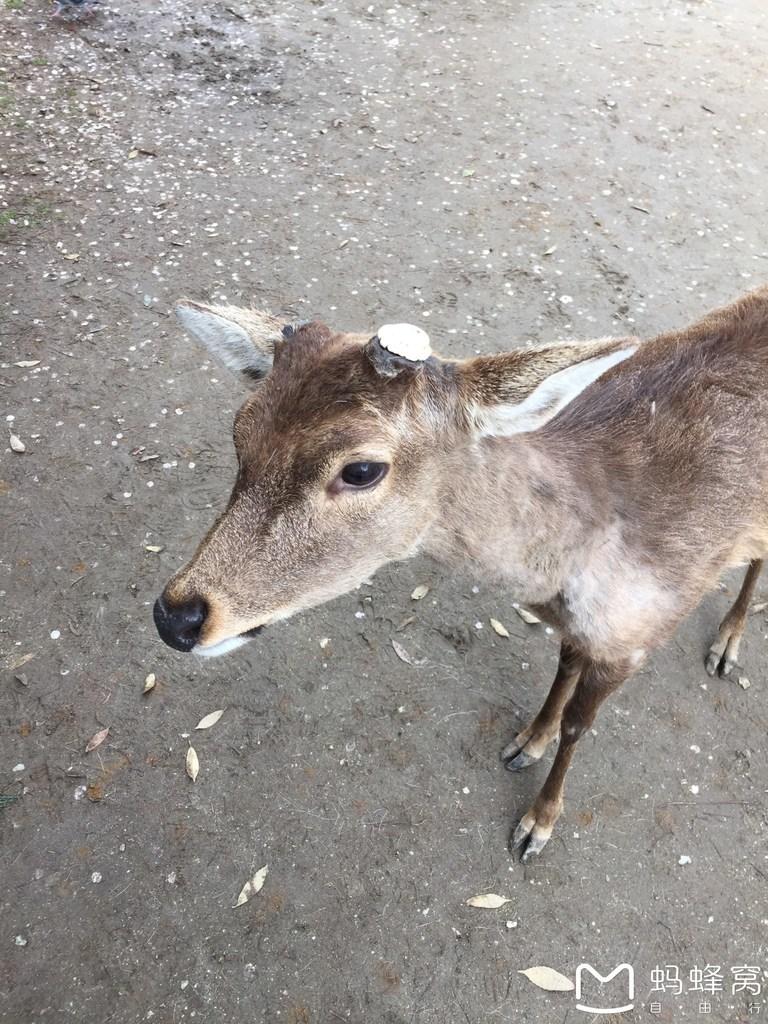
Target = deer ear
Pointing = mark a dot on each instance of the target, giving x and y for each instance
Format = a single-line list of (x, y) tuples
[(520, 392), (243, 340)]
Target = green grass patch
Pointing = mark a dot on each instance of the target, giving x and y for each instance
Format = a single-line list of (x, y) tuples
[(16, 220)]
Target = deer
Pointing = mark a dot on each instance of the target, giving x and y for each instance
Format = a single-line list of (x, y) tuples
[(597, 480)]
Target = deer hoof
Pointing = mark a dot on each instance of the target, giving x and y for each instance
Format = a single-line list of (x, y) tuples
[(712, 663), (529, 838), (720, 661), (517, 759)]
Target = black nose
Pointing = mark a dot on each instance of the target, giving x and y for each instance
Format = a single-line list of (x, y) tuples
[(179, 625)]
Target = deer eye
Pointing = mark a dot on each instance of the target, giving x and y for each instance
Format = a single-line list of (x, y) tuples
[(363, 474)]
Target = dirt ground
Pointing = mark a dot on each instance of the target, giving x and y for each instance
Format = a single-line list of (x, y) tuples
[(497, 172)]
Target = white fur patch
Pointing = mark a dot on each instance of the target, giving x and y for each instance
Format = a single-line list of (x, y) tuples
[(405, 340), (549, 398), (617, 605), (222, 647)]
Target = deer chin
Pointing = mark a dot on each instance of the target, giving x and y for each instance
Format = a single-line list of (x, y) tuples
[(222, 647), (231, 643)]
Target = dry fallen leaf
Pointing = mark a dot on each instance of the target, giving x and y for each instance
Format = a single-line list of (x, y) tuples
[(149, 683), (154, 548), (498, 628), (419, 592), (525, 615), (17, 445), (97, 739), (209, 720), (20, 661), (252, 886), (403, 655), (549, 979), (24, 363), (487, 901), (192, 764)]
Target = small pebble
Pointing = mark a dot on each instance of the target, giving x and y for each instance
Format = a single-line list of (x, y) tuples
[(684, 859)]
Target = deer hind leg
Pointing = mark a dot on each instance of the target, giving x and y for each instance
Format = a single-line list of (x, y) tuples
[(597, 681), (529, 745), (724, 652)]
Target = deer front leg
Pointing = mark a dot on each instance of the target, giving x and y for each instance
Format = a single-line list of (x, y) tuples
[(596, 682), (529, 745), (724, 652)]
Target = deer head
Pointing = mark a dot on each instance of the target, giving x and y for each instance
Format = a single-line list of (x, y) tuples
[(342, 451)]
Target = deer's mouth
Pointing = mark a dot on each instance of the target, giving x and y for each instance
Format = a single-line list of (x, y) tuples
[(222, 647), (252, 632), (225, 646)]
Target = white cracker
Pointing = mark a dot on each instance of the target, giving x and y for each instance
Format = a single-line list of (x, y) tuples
[(405, 340)]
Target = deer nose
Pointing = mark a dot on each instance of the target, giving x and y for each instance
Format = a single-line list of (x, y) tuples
[(179, 625)]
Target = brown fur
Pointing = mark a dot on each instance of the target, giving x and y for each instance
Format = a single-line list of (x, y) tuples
[(612, 520)]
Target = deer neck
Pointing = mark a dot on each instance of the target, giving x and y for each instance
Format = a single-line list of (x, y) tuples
[(516, 512)]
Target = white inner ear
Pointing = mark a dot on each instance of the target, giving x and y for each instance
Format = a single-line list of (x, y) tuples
[(548, 399), (226, 340)]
